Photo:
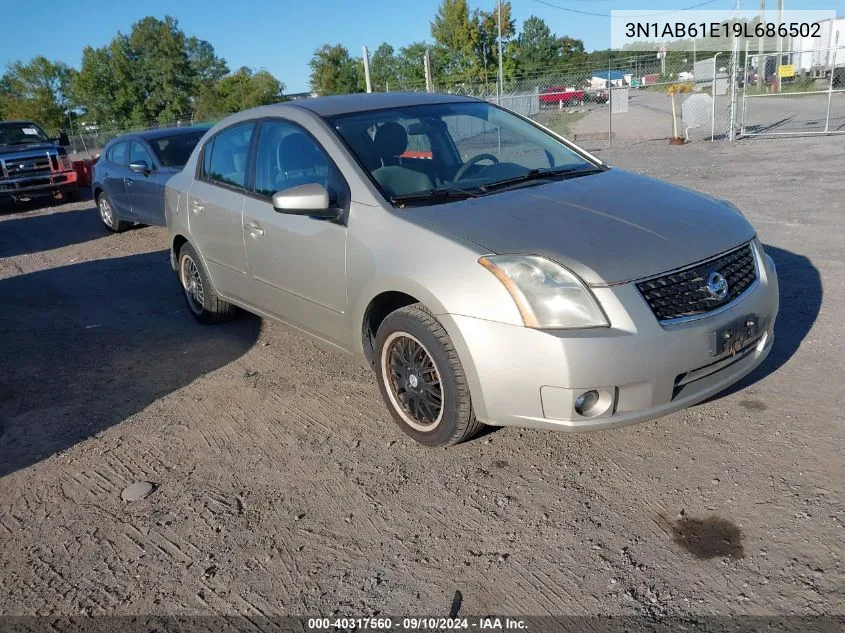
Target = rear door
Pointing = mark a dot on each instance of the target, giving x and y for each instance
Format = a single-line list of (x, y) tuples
[(215, 208), (145, 191), (114, 174)]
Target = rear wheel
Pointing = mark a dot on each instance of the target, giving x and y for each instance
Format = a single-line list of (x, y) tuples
[(205, 304), (421, 378), (109, 216)]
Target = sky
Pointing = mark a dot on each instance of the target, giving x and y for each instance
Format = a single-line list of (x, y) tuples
[(281, 35)]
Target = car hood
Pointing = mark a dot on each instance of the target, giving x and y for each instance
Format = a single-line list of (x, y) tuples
[(6, 150), (608, 228)]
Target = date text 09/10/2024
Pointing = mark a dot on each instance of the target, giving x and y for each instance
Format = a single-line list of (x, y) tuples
[(416, 624), (678, 30)]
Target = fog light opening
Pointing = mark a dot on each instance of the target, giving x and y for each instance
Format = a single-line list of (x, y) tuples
[(586, 402)]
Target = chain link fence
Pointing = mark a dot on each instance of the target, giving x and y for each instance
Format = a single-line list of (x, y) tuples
[(621, 104), (804, 95), (704, 97), (87, 141)]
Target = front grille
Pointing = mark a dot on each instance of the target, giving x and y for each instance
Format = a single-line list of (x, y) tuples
[(28, 166), (684, 293)]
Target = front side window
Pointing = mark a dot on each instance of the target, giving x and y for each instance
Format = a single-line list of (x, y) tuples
[(287, 157), (225, 157), (463, 148), (138, 153), (119, 151)]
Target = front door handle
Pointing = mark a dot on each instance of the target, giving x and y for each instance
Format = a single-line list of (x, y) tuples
[(129, 182), (254, 230), (196, 205)]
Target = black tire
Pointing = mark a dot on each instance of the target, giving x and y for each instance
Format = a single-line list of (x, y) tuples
[(108, 215), (403, 388), (204, 303)]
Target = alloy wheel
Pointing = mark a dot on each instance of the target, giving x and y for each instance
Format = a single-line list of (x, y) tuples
[(192, 284), (106, 213), (412, 381)]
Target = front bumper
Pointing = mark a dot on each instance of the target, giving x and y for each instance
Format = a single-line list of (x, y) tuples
[(38, 185), (642, 370)]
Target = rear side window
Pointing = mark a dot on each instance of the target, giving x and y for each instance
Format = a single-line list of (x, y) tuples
[(225, 157), (118, 153)]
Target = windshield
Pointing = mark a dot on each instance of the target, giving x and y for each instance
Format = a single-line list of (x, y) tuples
[(430, 152), (174, 151), (21, 133)]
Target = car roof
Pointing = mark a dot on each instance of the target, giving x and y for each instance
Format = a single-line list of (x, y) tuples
[(171, 131), (362, 102)]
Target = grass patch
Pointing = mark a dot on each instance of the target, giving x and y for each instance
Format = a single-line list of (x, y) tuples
[(562, 122)]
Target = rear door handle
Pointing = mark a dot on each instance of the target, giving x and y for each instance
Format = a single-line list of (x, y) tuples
[(129, 182), (254, 230), (196, 205)]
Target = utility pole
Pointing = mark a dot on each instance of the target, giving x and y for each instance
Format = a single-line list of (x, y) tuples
[(367, 69), (501, 82), (429, 84), (761, 45)]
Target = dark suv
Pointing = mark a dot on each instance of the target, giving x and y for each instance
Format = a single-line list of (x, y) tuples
[(33, 164)]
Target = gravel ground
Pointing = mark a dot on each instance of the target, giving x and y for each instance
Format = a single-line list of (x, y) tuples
[(282, 487)]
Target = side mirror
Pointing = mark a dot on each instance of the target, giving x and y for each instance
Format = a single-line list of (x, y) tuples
[(139, 167), (310, 199), (64, 141)]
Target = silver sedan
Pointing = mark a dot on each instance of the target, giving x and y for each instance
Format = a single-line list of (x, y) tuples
[(487, 270)]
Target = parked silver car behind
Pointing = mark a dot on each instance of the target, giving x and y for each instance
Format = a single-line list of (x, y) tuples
[(489, 271)]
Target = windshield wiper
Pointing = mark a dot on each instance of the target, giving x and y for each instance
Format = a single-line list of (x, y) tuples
[(441, 194), (544, 173)]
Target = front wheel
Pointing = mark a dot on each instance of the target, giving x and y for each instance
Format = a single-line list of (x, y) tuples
[(421, 378)]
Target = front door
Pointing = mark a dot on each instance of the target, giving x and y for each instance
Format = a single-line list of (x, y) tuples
[(215, 208), (146, 191), (114, 174), (297, 263)]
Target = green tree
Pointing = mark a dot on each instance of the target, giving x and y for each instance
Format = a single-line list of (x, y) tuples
[(237, 91), (206, 67), (383, 68), (454, 30), (410, 67), (537, 45), (39, 91), (570, 51), (94, 86), (485, 60), (162, 71), (334, 71), (156, 73)]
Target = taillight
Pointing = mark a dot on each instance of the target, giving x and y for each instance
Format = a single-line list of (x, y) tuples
[(64, 163)]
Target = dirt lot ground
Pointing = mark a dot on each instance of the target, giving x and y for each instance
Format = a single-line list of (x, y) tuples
[(282, 487)]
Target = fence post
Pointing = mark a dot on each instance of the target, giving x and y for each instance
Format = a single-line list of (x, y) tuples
[(609, 107), (733, 69), (713, 94), (744, 91), (830, 83)]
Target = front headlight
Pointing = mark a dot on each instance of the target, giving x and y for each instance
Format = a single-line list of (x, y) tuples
[(547, 294)]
